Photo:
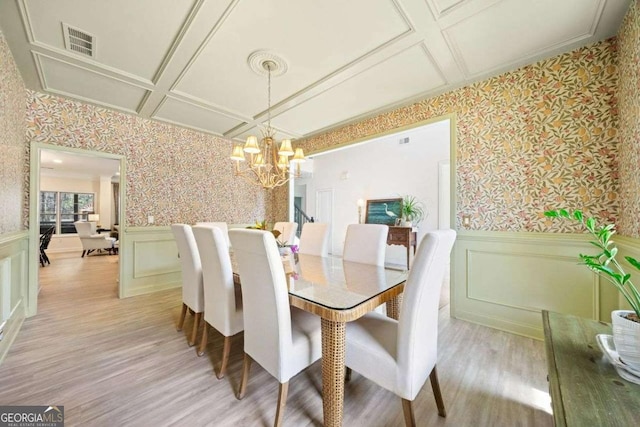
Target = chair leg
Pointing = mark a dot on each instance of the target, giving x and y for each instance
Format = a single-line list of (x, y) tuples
[(83, 253), (435, 385), (409, 418), (194, 332), (203, 340), (347, 374), (246, 367), (282, 403), (225, 357), (182, 316)]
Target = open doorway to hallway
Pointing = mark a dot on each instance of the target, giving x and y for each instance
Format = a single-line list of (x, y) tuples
[(75, 214)]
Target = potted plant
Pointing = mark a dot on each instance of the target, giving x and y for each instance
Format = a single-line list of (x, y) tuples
[(413, 211), (625, 323)]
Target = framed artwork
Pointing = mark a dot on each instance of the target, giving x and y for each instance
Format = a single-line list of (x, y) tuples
[(383, 211)]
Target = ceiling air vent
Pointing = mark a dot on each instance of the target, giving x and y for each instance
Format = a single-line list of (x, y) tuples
[(79, 41), (403, 140)]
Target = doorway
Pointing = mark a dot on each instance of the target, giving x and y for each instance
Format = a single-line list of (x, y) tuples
[(68, 185), (413, 161), (324, 213)]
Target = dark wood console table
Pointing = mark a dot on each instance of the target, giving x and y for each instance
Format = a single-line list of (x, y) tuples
[(585, 388), (403, 236)]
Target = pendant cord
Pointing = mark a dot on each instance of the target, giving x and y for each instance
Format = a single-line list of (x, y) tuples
[(269, 100)]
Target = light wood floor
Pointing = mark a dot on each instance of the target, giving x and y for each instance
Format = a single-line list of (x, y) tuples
[(114, 362)]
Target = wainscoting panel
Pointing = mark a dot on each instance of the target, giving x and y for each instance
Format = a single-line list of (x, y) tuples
[(153, 257), (533, 278), (150, 258), (504, 280), (13, 285)]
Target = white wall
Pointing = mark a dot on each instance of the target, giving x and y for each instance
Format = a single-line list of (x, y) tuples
[(76, 185), (380, 169)]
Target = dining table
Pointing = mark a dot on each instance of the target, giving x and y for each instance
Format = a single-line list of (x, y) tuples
[(338, 291)]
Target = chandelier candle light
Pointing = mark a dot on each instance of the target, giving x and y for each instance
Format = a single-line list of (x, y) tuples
[(267, 165)]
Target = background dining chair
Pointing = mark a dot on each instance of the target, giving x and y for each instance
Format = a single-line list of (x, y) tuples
[(314, 239), (399, 355), (91, 239), (282, 339), (287, 232), (222, 226), (366, 243), (45, 239), (222, 304), (192, 290)]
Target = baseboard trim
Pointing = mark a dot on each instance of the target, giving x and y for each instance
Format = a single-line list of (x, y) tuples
[(502, 324), (12, 328), (141, 290)]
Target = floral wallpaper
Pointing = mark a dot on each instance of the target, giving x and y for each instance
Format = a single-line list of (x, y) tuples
[(174, 174), (540, 137), (629, 150), (13, 161)]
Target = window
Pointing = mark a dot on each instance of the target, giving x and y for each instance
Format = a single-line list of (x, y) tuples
[(60, 210)]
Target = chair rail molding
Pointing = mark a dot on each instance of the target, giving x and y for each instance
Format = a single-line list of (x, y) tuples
[(505, 279)]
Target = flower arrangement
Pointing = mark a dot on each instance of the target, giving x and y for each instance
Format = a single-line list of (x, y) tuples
[(605, 261), (262, 225)]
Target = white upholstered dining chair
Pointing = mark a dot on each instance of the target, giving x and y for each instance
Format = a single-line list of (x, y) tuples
[(399, 355), (192, 290), (282, 339), (222, 226), (287, 232), (222, 303), (366, 243), (314, 239), (91, 239)]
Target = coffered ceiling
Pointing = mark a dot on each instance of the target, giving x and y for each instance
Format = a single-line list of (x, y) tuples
[(185, 61)]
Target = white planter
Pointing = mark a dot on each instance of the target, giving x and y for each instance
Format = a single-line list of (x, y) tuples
[(626, 337)]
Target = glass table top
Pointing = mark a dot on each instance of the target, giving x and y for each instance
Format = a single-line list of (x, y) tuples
[(335, 283)]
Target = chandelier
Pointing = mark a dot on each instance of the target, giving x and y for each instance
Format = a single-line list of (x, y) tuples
[(267, 165)]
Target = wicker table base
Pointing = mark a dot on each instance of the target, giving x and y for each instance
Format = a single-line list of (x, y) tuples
[(333, 356)]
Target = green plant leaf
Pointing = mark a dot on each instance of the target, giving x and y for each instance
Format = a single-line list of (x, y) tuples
[(633, 262), (605, 262)]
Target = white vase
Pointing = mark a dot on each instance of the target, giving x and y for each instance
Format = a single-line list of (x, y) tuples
[(626, 337), (285, 250)]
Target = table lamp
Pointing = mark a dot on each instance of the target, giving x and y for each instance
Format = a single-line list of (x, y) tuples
[(94, 218)]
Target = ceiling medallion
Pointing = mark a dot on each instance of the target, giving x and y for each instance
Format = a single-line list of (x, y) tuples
[(257, 59)]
